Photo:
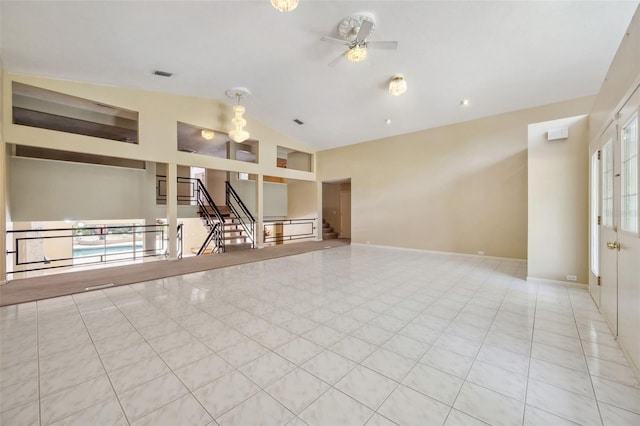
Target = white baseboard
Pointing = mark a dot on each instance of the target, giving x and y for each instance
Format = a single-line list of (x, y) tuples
[(535, 280), (452, 253)]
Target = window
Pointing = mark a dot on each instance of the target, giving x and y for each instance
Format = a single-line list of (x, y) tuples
[(595, 206), (629, 178), (607, 184)]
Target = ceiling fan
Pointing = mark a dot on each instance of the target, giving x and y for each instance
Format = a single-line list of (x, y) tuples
[(354, 31)]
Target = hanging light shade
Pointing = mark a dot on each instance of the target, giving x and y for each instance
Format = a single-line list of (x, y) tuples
[(237, 133), (284, 5), (357, 53), (397, 85), (207, 134)]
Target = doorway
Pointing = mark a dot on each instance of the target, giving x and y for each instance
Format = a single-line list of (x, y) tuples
[(336, 206)]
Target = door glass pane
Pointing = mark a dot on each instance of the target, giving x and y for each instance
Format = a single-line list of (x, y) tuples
[(607, 184), (595, 204), (629, 195)]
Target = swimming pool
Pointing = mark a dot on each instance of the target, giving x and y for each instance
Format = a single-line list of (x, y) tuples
[(94, 251)]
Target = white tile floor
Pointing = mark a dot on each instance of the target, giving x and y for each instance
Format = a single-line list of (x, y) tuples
[(349, 336)]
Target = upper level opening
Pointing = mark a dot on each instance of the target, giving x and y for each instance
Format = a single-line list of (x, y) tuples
[(297, 160), (199, 140), (46, 109)]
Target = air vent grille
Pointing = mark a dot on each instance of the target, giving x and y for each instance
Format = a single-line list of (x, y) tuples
[(162, 73)]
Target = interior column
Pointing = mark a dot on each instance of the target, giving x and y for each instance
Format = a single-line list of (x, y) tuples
[(172, 209), (150, 208), (259, 231)]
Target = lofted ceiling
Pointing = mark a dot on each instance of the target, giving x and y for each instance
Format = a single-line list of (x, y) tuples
[(501, 55)]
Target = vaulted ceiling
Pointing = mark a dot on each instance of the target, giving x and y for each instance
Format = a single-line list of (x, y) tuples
[(500, 55)]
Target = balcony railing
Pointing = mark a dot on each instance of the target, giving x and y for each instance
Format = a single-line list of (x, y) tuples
[(281, 231), (41, 249)]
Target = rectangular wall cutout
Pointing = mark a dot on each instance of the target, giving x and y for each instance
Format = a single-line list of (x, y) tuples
[(198, 140), (295, 160), (45, 109)]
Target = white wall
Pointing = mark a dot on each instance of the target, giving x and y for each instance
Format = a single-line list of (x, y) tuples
[(558, 170)]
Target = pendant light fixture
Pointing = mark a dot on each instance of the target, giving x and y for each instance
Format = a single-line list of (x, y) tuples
[(284, 5), (397, 85), (207, 134), (237, 132)]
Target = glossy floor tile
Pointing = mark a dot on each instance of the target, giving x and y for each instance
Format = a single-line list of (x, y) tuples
[(355, 335)]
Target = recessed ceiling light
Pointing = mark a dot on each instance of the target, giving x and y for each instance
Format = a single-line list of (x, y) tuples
[(464, 102), (297, 121), (387, 121), (162, 73)]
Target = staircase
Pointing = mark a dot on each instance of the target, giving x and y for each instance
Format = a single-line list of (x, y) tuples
[(233, 233), (231, 227), (327, 231)]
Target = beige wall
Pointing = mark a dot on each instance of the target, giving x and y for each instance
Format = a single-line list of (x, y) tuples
[(3, 190), (345, 210), (216, 186), (301, 200), (459, 188), (558, 243)]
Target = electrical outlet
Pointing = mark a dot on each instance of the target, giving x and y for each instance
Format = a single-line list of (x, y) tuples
[(572, 278), (481, 252)]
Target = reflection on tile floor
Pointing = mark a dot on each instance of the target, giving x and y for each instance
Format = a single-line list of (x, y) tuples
[(350, 336)]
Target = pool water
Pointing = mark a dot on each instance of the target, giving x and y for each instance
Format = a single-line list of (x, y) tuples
[(88, 251)]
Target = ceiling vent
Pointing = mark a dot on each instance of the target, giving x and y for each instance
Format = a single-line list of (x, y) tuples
[(162, 73)]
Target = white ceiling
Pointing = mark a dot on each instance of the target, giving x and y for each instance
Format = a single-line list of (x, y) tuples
[(501, 55)]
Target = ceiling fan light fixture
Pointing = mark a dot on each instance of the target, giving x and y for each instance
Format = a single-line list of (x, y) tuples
[(357, 53), (397, 85), (284, 5), (207, 134)]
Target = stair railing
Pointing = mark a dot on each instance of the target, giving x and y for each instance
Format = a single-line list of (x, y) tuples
[(214, 222), (241, 212)]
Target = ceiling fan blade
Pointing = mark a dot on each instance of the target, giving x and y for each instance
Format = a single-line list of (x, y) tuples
[(386, 45), (365, 29), (336, 60), (334, 40)]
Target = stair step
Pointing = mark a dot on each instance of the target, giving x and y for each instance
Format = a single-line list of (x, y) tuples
[(230, 231), (232, 238), (236, 247), (329, 235)]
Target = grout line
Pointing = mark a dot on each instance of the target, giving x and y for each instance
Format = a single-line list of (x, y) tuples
[(584, 356), (38, 355), (99, 357), (533, 328)]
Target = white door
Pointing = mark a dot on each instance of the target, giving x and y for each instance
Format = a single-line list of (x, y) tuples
[(595, 218), (609, 228), (628, 231)]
